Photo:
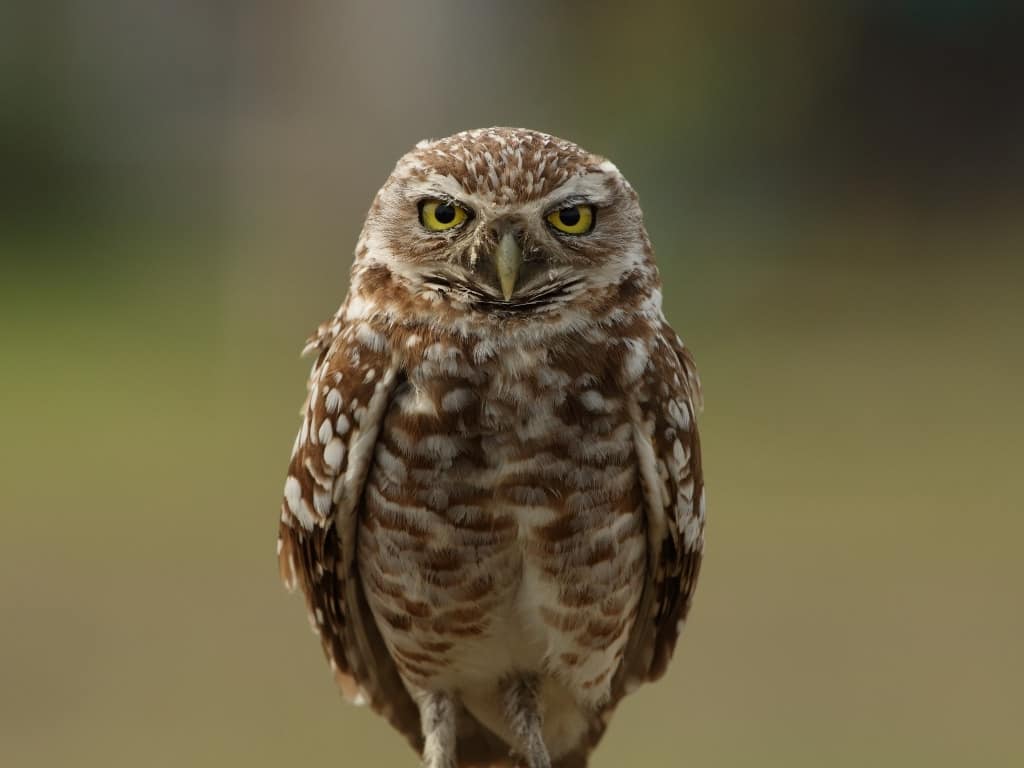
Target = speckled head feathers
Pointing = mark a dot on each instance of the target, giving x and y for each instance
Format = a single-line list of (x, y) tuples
[(508, 165), (504, 181)]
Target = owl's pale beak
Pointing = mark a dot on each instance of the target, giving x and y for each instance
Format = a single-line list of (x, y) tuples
[(507, 259)]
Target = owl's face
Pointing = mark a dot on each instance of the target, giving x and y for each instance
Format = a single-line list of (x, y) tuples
[(503, 222)]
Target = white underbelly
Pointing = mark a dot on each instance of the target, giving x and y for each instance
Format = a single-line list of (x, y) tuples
[(517, 640)]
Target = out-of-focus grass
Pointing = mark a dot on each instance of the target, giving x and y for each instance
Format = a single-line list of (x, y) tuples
[(861, 595)]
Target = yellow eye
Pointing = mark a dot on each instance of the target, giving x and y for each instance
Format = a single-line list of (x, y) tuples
[(439, 215), (574, 220)]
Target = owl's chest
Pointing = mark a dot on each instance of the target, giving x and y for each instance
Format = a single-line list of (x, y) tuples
[(517, 395), (498, 490), (534, 424)]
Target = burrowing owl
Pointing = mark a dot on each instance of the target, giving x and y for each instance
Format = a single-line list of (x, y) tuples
[(495, 505)]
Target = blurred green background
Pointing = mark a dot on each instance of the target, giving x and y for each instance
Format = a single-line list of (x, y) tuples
[(835, 192)]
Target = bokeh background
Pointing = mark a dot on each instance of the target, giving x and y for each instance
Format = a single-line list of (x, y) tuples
[(835, 192)]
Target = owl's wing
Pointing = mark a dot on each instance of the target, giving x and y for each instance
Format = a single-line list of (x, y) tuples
[(668, 397), (350, 387)]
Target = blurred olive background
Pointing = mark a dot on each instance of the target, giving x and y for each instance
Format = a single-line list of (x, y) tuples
[(835, 192)]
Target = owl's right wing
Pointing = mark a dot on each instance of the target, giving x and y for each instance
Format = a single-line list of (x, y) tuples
[(350, 388)]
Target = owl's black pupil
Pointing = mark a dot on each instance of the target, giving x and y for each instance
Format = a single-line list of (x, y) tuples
[(445, 213), (570, 216)]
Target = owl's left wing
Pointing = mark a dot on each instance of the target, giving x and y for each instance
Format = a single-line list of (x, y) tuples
[(667, 400), (350, 388)]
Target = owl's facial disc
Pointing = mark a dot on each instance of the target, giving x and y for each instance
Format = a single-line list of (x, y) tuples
[(500, 222), (518, 257)]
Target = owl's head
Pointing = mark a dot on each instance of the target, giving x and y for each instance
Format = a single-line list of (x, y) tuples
[(505, 223)]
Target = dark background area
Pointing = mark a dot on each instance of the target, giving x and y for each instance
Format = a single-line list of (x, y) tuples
[(835, 193)]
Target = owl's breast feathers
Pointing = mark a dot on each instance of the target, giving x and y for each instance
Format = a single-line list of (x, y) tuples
[(461, 506), (503, 525)]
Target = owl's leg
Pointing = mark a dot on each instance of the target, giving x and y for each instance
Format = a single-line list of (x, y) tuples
[(437, 716), (522, 713)]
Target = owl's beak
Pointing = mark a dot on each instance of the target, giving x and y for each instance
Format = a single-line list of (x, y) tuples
[(507, 259)]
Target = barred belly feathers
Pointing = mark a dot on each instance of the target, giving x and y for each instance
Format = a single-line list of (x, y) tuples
[(494, 505)]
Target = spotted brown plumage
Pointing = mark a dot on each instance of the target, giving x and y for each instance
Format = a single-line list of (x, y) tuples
[(495, 505)]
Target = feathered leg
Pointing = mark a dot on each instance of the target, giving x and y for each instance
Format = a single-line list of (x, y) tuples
[(523, 716), (437, 715)]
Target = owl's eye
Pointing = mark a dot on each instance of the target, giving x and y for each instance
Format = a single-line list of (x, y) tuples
[(573, 220), (439, 215)]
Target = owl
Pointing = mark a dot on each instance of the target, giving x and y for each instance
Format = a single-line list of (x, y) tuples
[(495, 504)]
